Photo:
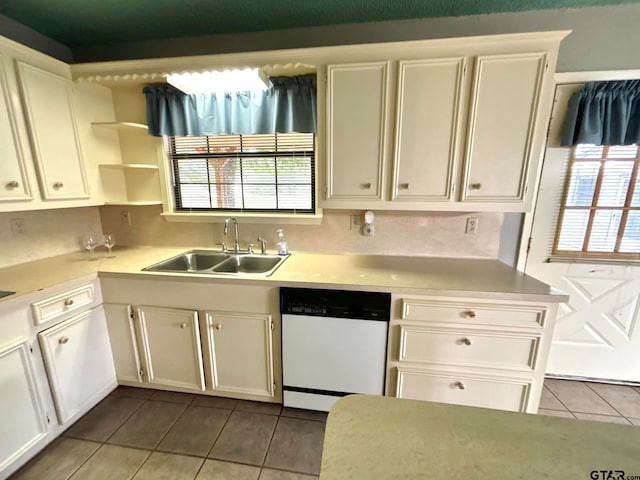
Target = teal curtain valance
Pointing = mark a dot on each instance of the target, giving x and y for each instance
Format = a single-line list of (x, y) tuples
[(289, 105), (604, 113)]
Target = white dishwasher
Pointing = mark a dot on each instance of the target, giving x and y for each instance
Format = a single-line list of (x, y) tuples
[(334, 343)]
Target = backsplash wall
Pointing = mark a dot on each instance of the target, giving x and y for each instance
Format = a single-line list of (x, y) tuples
[(397, 233), (46, 233)]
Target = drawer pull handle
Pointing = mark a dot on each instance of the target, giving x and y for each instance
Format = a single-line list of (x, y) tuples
[(475, 186), (470, 314), (68, 302), (366, 186), (63, 340), (465, 341), (218, 326), (58, 185), (13, 184), (460, 385), (183, 325)]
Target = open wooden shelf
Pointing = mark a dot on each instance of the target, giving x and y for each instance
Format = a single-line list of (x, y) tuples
[(121, 125), (135, 203), (129, 166)]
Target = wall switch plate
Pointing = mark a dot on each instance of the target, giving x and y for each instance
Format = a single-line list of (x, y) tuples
[(125, 217), (17, 227), (355, 222), (472, 226)]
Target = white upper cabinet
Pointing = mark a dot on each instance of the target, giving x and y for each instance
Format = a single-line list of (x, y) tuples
[(50, 115), (356, 126), (14, 185), (502, 119), (428, 106)]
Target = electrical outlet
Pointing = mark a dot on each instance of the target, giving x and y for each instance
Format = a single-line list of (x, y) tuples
[(17, 227), (472, 226), (125, 217), (355, 222)]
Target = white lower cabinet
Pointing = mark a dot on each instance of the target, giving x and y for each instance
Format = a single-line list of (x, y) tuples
[(170, 339), (79, 362), (23, 424), (240, 353), (469, 351)]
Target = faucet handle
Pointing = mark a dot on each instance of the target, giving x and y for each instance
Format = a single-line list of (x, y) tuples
[(224, 247), (250, 247), (263, 245)]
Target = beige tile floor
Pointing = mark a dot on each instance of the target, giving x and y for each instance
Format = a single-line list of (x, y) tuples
[(144, 434)]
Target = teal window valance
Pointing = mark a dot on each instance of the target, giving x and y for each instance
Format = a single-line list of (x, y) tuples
[(604, 113), (288, 105)]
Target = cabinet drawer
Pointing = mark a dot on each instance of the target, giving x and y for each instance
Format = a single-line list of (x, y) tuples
[(474, 348), (473, 313), (59, 305), (463, 389)]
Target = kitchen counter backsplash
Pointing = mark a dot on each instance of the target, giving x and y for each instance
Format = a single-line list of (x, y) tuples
[(46, 233), (397, 233)]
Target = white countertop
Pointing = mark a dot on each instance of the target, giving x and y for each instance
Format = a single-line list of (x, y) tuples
[(396, 274)]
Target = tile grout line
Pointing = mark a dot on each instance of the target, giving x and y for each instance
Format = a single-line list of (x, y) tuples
[(266, 453), (603, 399), (218, 436), (557, 398)]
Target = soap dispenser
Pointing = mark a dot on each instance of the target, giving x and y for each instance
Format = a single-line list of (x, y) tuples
[(283, 248)]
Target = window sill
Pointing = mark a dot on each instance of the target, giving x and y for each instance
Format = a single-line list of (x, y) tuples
[(248, 217), (594, 260)]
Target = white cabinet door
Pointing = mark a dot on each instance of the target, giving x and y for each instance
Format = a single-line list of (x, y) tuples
[(170, 340), (502, 120), (48, 104), (13, 176), (428, 117), (356, 129), (79, 362), (241, 355), (123, 342), (23, 427)]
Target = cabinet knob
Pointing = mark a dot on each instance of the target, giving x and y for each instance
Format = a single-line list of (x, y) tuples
[(475, 186), (366, 186), (183, 325), (58, 185), (218, 326), (12, 184), (63, 340), (465, 341), (404, 186), (68, 302), (460, 385), (470, 314)]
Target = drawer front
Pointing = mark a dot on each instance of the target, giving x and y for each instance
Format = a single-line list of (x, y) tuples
[(62, 304), (463, 389), (473, 348), (474, 313)]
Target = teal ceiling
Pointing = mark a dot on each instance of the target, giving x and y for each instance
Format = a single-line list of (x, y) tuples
[(83, 23)]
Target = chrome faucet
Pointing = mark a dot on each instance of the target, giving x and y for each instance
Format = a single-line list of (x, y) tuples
[(236, 247)]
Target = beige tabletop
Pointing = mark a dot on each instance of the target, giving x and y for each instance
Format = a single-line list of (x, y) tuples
[(371, 438)]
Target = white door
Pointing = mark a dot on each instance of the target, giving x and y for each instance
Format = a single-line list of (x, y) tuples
[(123, 342), (427, 128), (502, 119), (356, 129), (23, 428), (170, 340), (597, 333), (240, 346), (48, 104), (79, 362)]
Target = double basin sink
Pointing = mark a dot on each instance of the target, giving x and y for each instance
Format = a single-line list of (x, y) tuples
[(219, 263)]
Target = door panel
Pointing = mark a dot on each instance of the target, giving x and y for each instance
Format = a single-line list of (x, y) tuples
[(170, 340), (123, 342)]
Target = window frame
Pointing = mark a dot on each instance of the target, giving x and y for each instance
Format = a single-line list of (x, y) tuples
[(179, 213), (593, 209)]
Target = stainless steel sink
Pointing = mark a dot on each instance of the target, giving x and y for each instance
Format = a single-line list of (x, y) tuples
[(194, 261), (218, 263), (251, 264)]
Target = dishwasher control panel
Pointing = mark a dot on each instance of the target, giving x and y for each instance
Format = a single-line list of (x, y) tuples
[(335, 303)]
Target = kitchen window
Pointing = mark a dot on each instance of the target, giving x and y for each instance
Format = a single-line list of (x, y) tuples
[(249, 173), (600, 209)]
